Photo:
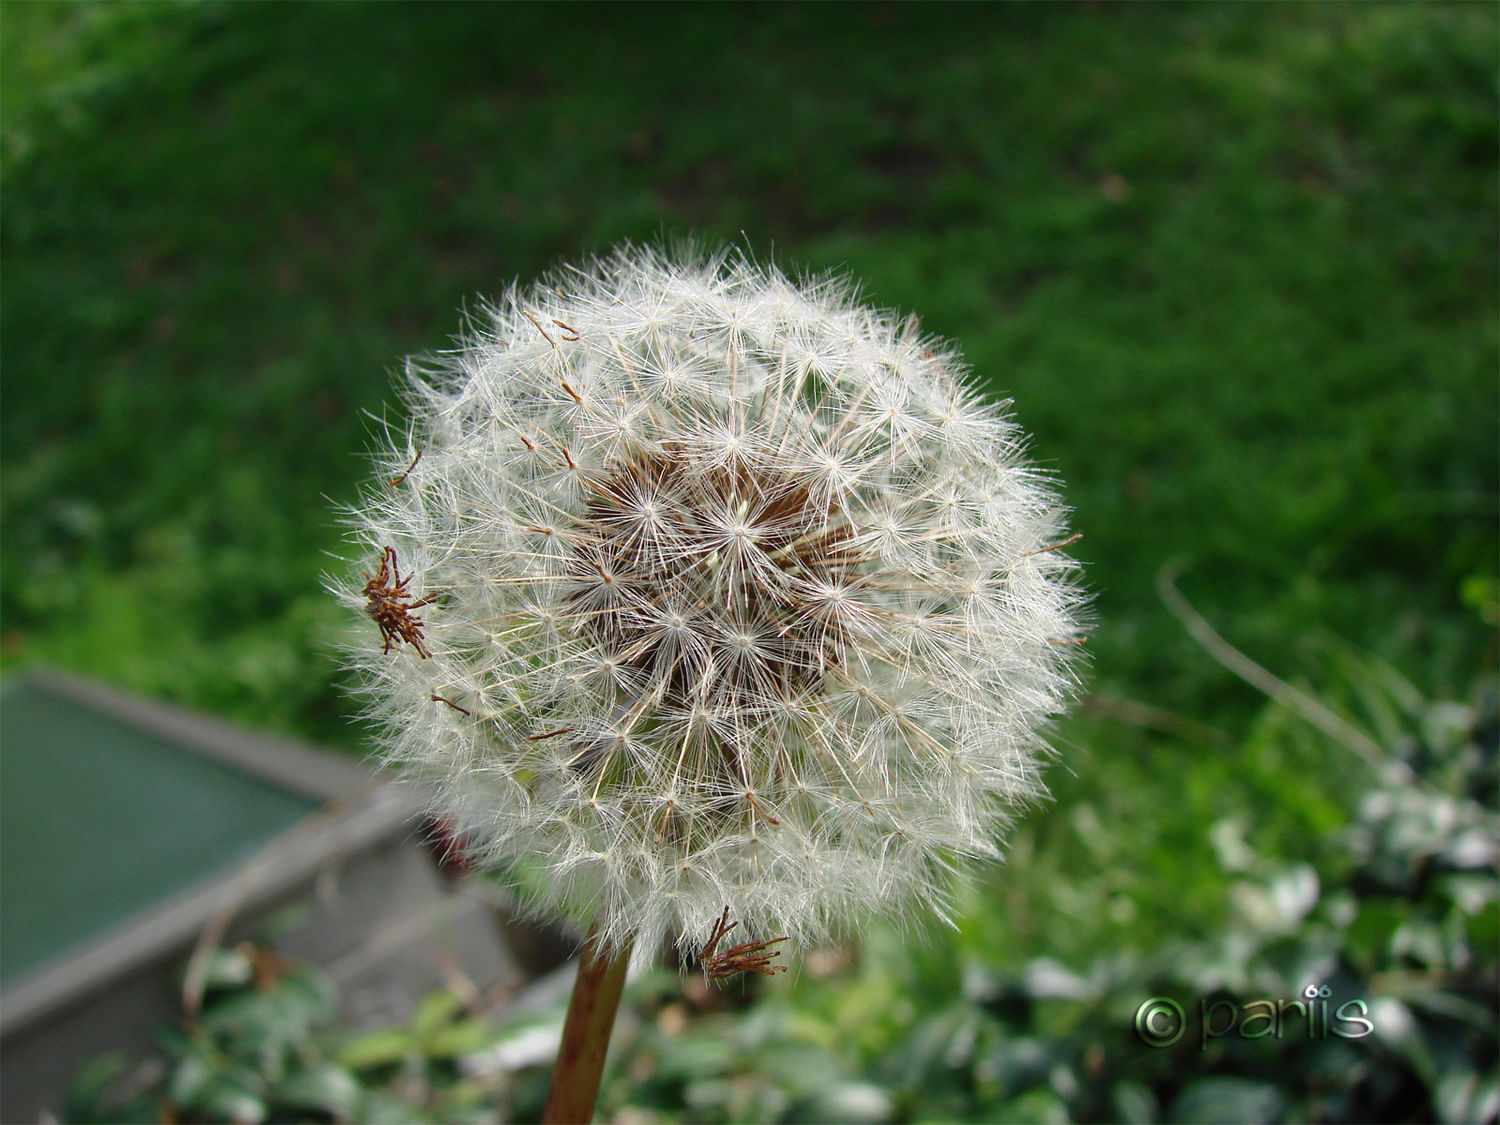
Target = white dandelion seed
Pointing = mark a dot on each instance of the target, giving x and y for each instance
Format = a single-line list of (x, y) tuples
[(731, 595)]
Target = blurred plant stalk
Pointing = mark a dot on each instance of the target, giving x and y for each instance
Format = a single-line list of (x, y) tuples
[(586, 1032)]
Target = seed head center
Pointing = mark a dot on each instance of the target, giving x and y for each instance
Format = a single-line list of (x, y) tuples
[(784, 548)]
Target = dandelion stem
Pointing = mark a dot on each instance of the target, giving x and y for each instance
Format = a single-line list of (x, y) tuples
[(585, 1039)]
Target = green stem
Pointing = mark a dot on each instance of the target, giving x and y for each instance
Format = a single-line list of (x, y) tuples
[(585, 1039)]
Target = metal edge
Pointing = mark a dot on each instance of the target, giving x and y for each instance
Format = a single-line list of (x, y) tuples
[(348, 823), (297, 766), (341, 828)]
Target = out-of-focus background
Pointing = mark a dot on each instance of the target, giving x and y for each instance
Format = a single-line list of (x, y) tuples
[(1236, 267)]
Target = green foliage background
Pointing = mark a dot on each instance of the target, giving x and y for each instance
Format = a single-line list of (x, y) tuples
[(1235, 264)]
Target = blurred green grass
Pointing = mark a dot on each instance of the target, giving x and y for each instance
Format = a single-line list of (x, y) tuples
[(1234, 264)]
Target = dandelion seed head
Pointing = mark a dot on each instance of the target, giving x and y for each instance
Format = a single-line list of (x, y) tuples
[(735, 594)]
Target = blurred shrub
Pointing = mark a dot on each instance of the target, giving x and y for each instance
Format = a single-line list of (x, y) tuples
[(264, 1048), (1362, 989), (1380, 960)]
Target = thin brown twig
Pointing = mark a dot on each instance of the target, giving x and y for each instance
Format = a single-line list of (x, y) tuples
[(409, 468), (436, 698), (754, 804), (1058, 546), (539, 327), (1312, 710)]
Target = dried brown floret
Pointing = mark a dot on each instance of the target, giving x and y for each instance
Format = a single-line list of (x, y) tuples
[(389, 605), (749, 957)]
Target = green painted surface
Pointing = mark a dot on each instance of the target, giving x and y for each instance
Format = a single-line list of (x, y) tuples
[(100, 821)]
